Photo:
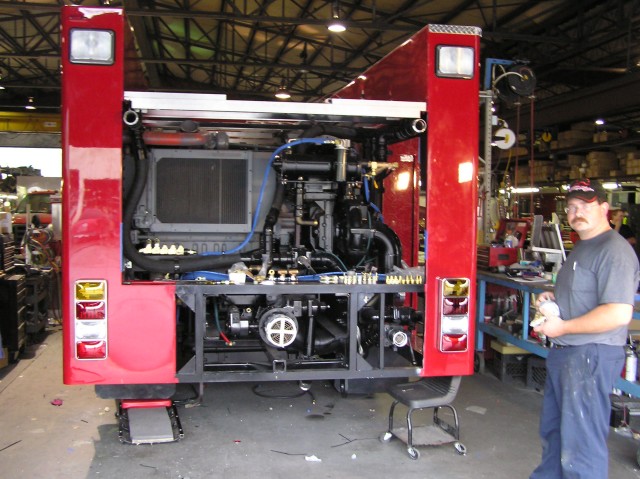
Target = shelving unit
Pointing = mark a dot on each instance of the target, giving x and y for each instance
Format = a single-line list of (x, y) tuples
[(553, 156), (523, 341)]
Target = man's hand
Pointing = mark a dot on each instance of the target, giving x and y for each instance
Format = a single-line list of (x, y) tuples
[(545, 296), (552, 327)]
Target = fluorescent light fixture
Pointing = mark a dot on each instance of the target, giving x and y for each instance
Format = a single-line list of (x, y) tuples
[(455, 62), (30, 105), (612, 185), (525, 189), (96, 47)]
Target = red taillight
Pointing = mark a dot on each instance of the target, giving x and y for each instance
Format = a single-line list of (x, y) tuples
[(454, 314), (91, 350), (91, 319), (453, 342), (91, 310)]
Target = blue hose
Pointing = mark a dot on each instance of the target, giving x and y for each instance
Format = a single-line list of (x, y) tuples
[(373, 206)]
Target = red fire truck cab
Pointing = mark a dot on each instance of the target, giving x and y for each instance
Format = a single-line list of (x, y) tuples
[(267, 241)]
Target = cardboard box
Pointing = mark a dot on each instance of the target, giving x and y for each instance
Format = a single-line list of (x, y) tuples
[(576, 160), (583, 126), (585, 136), (507, 348)]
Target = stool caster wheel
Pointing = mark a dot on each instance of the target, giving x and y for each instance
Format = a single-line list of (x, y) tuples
[(461, 448), (385, 437), (413, 453)]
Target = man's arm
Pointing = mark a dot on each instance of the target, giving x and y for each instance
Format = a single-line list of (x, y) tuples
[(605, 317)]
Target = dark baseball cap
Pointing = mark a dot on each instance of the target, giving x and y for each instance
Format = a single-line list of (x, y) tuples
[(587, 190)]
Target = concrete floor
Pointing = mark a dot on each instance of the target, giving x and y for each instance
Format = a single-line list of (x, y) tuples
[(237, 434)]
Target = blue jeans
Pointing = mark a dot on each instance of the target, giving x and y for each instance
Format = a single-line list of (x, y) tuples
[(575, 411)]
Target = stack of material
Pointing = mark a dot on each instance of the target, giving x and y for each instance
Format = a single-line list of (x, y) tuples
[(601, 164), (633, 163)]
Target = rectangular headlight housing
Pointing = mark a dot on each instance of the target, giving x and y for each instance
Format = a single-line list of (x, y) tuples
[(95, 47), (455, 62)]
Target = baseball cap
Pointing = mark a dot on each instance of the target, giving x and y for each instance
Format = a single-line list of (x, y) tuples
[(587, 190)]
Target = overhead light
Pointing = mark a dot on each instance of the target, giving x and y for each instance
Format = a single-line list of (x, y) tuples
[(283, 93), (1, 87), (30, 105), (610, 185), (599, 121), (336, 26), (521, 190)]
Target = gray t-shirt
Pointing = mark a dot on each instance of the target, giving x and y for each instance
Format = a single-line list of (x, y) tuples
[(598, 271)]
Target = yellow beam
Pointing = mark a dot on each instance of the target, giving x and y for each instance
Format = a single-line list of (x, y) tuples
[(30, 122)]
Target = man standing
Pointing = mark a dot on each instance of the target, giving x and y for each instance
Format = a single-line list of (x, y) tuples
[(594, 292), (616, 221)]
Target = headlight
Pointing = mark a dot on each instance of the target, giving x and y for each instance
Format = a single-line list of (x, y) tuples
[(455, 62), (92, 46)]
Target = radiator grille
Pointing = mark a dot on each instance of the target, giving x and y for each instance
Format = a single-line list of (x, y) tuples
[(201, 190)]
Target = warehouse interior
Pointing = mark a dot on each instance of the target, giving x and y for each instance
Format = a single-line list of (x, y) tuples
[(557, 100)]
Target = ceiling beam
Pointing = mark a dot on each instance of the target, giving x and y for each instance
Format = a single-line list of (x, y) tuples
[(378, 25), (207, 62)]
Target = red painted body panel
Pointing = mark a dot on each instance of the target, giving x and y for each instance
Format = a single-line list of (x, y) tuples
[(408, 74), (141, 317)]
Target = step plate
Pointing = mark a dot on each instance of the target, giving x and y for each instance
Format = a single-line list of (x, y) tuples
[(150, 425)]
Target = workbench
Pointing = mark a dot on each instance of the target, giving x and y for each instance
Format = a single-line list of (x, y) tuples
[(522, 340)]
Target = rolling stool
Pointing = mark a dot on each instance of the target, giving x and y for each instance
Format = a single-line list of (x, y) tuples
[(427, 393)]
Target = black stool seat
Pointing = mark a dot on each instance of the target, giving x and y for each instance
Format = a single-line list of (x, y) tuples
[(433, 393), (429, 392)]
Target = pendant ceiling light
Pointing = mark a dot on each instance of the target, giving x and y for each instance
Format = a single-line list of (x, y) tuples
[(336, 25), (283, 93)]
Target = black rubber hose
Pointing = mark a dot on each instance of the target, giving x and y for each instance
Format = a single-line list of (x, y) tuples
[(393, 254), (168, 265), (276, 205)]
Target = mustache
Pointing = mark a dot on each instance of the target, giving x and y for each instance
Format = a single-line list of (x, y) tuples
[(579, 220)]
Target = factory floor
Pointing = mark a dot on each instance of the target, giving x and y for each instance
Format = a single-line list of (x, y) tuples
[(56, 431)]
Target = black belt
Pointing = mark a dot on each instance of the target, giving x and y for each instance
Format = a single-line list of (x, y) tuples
[(560, 346)]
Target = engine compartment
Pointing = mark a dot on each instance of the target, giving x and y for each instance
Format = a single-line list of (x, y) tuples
[(274, 234)]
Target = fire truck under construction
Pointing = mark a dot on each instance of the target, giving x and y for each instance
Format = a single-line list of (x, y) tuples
[(210, 240)]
